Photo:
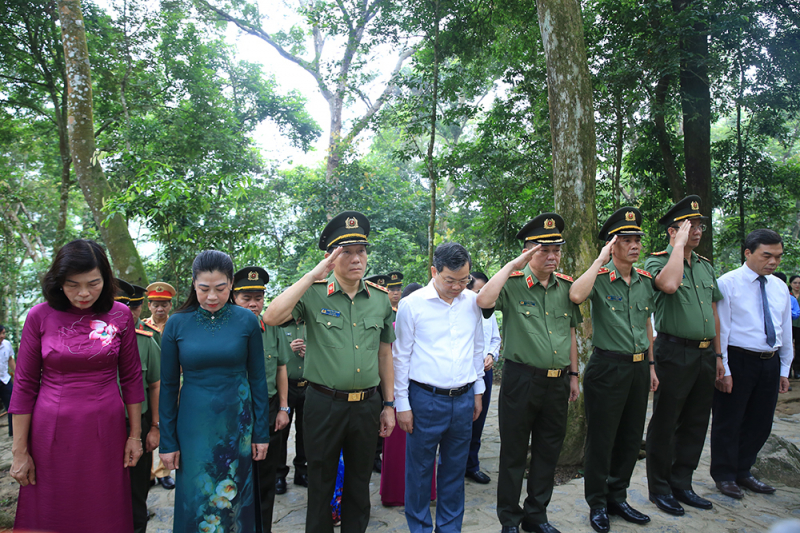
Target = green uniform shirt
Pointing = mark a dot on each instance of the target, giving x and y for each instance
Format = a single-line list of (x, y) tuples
[(148, 325), (687, 313), (294, 366), (343, 335), (537, 322), (620, 312), (150, 354), (274, 354)]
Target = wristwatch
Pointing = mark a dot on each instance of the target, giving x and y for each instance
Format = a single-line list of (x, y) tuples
[(388, 404), (287, 410), (156, 425)]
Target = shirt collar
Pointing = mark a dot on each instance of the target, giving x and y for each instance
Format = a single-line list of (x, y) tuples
[(695, 258), (529, 276), (429, 292), (749, 274), (334, 287), (614, 275)]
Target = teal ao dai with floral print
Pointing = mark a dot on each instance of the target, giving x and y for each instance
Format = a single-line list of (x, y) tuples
[(212, 419)]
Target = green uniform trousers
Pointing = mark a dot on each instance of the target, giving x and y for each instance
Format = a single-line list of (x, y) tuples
[(530, 408), (615, 394), (332, 425), (266, 470), (681, 410)]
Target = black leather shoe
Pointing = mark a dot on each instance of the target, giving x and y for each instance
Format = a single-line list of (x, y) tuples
[(478, 477), (167, 482), (690, 497), (731, 489), (598, 518), (376, 465), (751, 483), (152, 482), (280, 485), (627, 513), (667, 503), (301, 480), (509, 529), (538, 528)]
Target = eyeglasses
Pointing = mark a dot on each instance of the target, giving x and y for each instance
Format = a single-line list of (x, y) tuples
[(457, 282), (701, 227)]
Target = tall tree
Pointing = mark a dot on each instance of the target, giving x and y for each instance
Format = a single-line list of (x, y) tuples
[(80, 127)]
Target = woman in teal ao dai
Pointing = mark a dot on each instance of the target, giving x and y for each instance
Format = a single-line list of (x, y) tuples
[(217, 423)]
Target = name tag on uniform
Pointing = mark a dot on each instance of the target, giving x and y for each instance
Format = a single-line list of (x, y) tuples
[(331, 312), (288, 334), (614, 298), (527, 303)]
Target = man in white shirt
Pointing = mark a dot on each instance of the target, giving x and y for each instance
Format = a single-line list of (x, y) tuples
[(7, 367), (756, 343), (438, 365), (491, 345)]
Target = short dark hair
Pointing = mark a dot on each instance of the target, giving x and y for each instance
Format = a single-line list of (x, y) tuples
[(207, 261), (477, 275), (77, 257), (451, 255), (411, 287), (758, 237), (780, 275)]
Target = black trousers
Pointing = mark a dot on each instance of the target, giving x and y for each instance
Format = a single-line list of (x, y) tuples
[(333, 426), (266, 469), (140, 481), (681, 410), (297, 399), (742, 418)]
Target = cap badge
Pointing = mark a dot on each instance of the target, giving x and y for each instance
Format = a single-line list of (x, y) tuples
[(630, 216), (394, 277), (351, 223), (381, 281), (695, 206), (252, 275), (549, 224), (159, 288)]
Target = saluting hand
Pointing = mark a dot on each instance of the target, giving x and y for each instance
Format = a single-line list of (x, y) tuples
[(524, 258), (605, 253), (682, 237), (325, 266)]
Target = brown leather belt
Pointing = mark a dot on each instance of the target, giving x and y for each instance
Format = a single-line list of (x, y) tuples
[(298, 382), (350, 396), (628, 357), (545, 372), (760, 355), (444, 392), (703, 344)]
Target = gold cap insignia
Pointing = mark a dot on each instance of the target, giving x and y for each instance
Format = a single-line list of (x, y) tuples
[(394, 277), (695, 206), (351, 223), (252, 275), (381, 281), (630, 216), (159, 288), (549, 223)]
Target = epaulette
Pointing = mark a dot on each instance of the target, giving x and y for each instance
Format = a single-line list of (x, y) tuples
[(517, 273), (603, 270), (320, 281), (644, 273), (145, 333), (563, 276), (663, 252), (704, 258), (371, 284)]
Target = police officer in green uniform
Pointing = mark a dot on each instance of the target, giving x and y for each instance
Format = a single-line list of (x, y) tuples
[(687, 340), (540, 374), (395, 286), (349, 332), (295, 350), (249, 285), (618, 378), (150, 355)]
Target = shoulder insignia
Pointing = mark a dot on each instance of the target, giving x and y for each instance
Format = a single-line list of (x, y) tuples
[(704, 258), (261, 323), (612, 276), (563, 276), (143, 332), (529, 281), (644, 273), (331, 288), (320, 281), (516, 273), (371, 284), (663, 252), (603, 270)]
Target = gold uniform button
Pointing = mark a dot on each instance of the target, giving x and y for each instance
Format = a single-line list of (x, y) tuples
[(527, 312), (554, 351), (613, 309), (356, 346), (358, 370), (550, 332), (352, 303), (646, 308), (565, 314), (697, 286), (631, 307), (546, 313), (701, 302), (329, 323), (354, 323), (269, 357)]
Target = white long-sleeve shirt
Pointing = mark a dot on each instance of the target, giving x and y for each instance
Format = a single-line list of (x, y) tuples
[(491, 337), (741, 316), (438, 344)]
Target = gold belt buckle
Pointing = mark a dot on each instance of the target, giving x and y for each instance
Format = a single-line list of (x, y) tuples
[(638, 357), (302, 383), (355, 396), (551, 373), (704, 344)]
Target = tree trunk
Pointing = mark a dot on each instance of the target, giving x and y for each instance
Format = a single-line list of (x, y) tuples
[(432, 173), (675, 180), (569, 87), (80, 127), (620, 142)]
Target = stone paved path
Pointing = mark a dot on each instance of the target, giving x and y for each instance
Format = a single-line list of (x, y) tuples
[(568, 510)]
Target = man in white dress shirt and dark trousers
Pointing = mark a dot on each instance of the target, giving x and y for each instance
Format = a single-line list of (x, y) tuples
[(756, 343), (438, 363)]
